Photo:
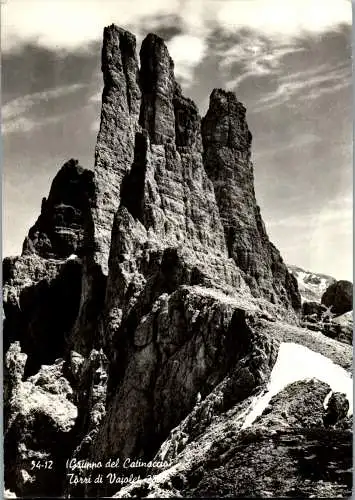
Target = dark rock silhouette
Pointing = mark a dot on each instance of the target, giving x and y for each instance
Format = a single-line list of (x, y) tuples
[(339, 297), (59, 230), (313, 310), (41, 300)]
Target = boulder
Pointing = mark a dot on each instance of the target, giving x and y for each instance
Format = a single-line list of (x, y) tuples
[(339, 297)]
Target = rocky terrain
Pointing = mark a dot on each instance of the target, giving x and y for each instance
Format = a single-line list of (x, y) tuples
[(311, 285), (155, 341), (327, 304)]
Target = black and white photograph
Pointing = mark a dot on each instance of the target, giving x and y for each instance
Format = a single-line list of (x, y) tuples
[(177, 244)]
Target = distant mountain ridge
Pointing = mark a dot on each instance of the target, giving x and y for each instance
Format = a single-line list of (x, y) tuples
[(311, 285)]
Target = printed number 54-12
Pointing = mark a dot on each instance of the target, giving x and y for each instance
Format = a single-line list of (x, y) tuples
[(47, 464)]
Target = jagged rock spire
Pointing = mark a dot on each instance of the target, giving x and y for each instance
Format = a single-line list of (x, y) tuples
[(158, 85), (227, 142), (143, 109), (59, 230), (114, 153)]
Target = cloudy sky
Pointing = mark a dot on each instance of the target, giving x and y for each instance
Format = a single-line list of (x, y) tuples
[(289, 62)]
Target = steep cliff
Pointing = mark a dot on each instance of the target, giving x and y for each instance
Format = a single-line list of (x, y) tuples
[(227, 143), (148, 311), (154, 158)]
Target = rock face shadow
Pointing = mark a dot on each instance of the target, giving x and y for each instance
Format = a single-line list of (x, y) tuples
[(44, 315)]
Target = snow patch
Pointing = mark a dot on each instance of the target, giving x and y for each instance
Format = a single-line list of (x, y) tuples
[(311, 285), (301, 276), (296, 362), (326, 400), (323, 285)]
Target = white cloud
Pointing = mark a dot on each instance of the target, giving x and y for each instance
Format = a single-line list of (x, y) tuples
[(254, 47), (306, 85), (23, 124), (256, 57), (318, 92), (284, 18), (14, 117), (23, 104), (78, 22), (187, 51)]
